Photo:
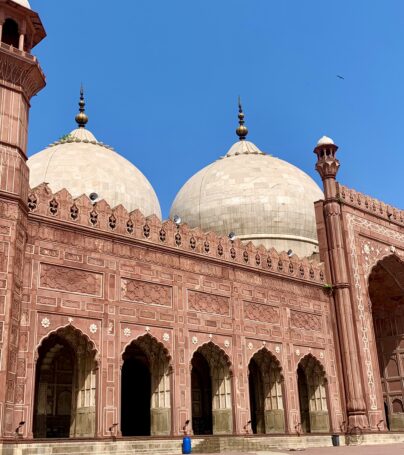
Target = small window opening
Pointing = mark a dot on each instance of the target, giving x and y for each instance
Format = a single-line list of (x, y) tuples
[(10, 33)]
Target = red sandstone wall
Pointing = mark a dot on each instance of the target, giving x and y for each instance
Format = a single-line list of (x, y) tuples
[(372, 231), (114, 288)]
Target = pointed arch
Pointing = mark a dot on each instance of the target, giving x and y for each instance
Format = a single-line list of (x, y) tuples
[(211, 373), (386, 304), (310, 363), (65, 385), (313, 400), (146, 388), (72, 334), (147, 340), (265, 380), (391, 255)]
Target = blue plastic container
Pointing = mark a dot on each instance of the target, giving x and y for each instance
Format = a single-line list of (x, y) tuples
[(186, 445)]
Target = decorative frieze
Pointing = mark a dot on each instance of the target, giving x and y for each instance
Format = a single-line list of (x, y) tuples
[(145, 292), (70, 280), (261, 313), (208, 303), (305, 321)]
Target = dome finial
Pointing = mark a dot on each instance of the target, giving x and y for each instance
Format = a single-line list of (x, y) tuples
[(81, 117), (242, 130)]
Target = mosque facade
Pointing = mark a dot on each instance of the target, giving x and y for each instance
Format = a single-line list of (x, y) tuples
[(264, 306)]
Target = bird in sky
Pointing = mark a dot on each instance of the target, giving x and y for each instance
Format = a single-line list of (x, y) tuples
[(340, 77)]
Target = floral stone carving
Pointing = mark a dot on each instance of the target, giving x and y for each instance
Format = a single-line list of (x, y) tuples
[(144, 292)]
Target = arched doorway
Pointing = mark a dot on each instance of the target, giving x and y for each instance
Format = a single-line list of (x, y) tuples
[(65, 386), (265, 386), (312, 389), (386, 292), (211, 391), (201, 389), (145, 389)]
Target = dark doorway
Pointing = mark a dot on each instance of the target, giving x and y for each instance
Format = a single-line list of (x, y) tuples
[(256, 405), (54, 389), (303, 400), (136, 393), (201, 387), (10, 33)]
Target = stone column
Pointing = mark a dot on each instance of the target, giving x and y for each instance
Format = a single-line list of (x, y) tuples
[(327, 166)]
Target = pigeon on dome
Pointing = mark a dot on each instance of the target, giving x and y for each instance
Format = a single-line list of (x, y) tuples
[(325, 140)]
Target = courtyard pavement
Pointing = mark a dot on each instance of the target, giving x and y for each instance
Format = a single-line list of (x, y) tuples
[(385, 449)]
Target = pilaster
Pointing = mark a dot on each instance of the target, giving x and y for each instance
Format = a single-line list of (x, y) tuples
[(327, 166)]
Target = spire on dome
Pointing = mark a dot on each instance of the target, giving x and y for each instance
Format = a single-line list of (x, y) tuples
[(81, 117), (242, 130)]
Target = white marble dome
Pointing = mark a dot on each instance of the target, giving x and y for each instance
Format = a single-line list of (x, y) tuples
[(257, 196), (82, 165), (24, 3), (325, 140)]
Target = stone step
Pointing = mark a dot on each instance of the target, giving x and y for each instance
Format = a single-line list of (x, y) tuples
[(210, 444)]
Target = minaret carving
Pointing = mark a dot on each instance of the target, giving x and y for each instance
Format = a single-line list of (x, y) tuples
[(327, 166)]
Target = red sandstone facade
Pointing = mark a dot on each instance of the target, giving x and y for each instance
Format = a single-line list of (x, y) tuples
[(320, 341)]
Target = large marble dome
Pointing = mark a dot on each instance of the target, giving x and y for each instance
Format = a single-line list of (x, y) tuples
[(83, 165), (260, 198)]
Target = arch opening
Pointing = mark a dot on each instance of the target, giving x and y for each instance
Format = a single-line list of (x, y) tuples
[(312, 389), (211, 391), (266, 397), (386, 293), (10, 33), (145, 389), (65, 386)]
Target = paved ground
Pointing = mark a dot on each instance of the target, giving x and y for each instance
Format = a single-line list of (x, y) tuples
[(389, 449)]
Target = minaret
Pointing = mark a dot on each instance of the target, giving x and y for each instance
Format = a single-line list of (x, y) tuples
[(327, 166), (20, 78)]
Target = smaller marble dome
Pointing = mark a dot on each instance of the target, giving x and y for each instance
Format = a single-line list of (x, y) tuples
[(83, 165), (325, 140)]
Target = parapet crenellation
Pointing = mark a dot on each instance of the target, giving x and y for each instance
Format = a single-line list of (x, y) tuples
[(369, 204), (117, 221)]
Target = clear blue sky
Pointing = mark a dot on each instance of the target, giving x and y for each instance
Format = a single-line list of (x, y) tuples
[(162, 79)]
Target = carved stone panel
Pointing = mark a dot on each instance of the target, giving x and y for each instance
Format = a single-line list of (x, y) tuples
[(305, 321), (70, 280), (145, 292), (261, 313), (208, 303)]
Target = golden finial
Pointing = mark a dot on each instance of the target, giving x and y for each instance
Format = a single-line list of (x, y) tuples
[(242, 130), (81, 117)]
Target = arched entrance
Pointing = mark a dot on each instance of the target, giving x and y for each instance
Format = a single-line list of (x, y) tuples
[(65, 386), (386, 292), (312, 390), (211, 391), (265, 386), (145, 389)]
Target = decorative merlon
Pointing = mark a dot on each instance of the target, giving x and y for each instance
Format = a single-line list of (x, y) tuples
[(369, 204), (100, 217)]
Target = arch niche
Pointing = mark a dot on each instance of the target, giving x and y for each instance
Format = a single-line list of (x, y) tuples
[(211, 391), (65, 386), (386, 292), (312, 388), (265, 381), (145, 389)]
